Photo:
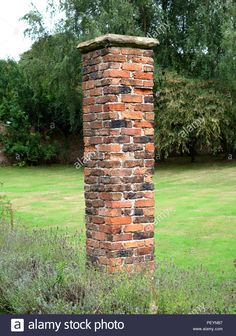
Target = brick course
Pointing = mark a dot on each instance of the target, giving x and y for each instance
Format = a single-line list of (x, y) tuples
[(118, 130)]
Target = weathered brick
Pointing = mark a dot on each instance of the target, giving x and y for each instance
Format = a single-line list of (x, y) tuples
[(119, 204), (99, 235), (132, 51), (144, 108), (133, 179), (118, 220), (144, 203), (132, 147), (109, 164), (107, 116), (132, 66), (140, 171), (110, 196), (143, 91), (131, 131), (109, 148), (149, 147), (149, 116), (118, 172), (97, 203), (132, 163), (106, 99), (144, 250), (114, 107), (148, 131), (143, 124), (118, 188), (148, 53), (142, 139), (149, 163), (96, 92), (132, 195), (132, 115), (118, 123), (111, 230), (96, 124), (143, 75), (124, 89), (133, 228), (148, 99), (148, 68), (98, 220), (89, 117), (143, 155), (143, 235), (95, 108), (117, 73), (147, 186), (133, 243), (131, 82), (109, 180), (143, 220), (93, 140), (143, 60), (88, 101), (128, 98), (148, 84), (114, 58), (118, 139), (148, 211), (124, 253), (109, 212)]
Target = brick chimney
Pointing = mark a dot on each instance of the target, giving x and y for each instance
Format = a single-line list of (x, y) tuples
[(119, 151)]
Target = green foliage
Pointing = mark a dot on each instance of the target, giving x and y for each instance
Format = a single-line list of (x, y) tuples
[(92, 18), (227, 71), (227, 64), (190, 115), (56, 97), (197, 41), (49, 276), (29, 148), (52, 67), (18, 136)]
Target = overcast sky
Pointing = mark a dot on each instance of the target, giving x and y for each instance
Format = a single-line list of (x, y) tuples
[(12, 40)]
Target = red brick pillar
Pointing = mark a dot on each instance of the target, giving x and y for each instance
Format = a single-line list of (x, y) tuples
[(119, 151)]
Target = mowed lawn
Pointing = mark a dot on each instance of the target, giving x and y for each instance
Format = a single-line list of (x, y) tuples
[(195, 209)]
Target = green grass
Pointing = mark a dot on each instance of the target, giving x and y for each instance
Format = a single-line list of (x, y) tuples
[(196, 205)]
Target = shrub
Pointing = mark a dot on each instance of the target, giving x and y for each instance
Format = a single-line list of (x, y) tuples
[(28, 146), (22, 134), (193, 115), (45, 272)]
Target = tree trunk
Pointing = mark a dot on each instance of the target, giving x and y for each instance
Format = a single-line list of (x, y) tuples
[(192, 151)]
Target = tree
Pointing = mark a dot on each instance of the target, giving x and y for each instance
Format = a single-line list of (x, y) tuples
[(190, 115), (227, 73), (52, 70), (197, 41), (20, 140)]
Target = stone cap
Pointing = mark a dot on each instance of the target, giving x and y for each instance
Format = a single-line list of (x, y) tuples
[(118, 40)]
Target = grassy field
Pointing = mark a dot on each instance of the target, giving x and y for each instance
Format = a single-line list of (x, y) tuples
[(195, 208)]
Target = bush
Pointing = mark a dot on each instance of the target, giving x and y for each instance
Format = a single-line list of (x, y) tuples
[(26, 146), (30, 148), (44, 272), (193, 115), (23, 136)]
